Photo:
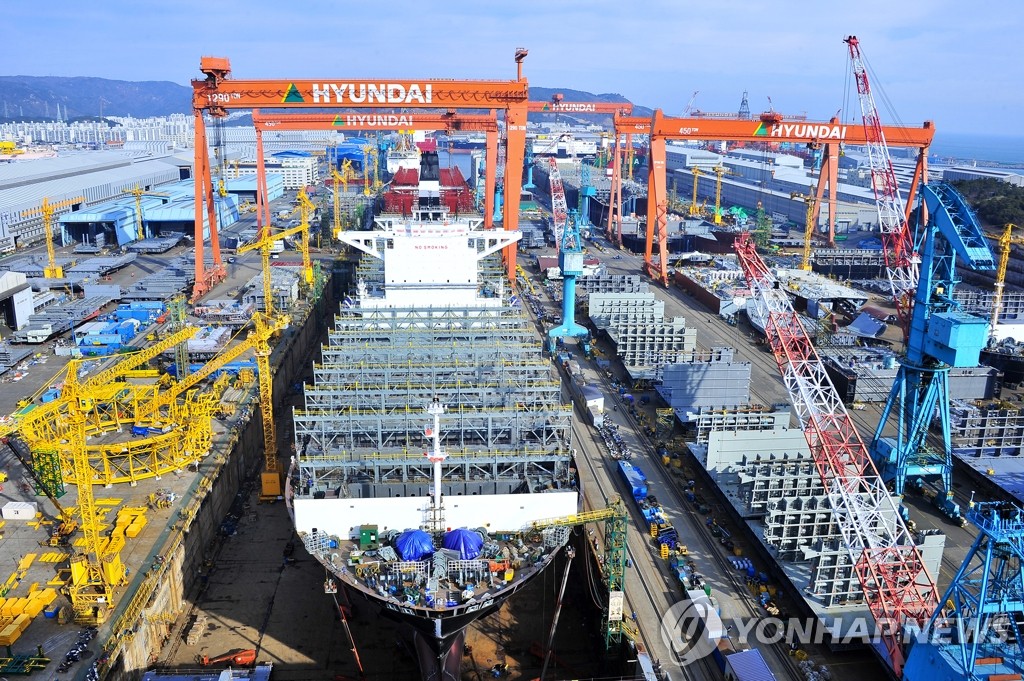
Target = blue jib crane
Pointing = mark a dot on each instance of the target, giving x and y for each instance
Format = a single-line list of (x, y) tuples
[(977, 633), (941, 336), (570, 261)]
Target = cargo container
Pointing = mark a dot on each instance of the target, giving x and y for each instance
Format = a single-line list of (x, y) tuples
[(635, 479)]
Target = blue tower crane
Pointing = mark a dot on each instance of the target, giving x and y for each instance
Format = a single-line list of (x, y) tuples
[(977, 632), (941, 336), (570, 261), (529, 167)]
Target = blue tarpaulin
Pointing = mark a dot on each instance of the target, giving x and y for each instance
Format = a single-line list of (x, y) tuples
[(414, 545), (466, 542)]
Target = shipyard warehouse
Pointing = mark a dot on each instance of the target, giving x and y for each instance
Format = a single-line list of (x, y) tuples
[(502, 391)]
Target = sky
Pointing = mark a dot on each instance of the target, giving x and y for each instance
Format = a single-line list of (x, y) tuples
[(954, 62)]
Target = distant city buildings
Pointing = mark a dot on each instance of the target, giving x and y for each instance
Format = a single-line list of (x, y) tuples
[(176, 129)]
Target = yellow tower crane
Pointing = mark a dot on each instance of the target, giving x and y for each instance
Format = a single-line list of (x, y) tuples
[(268, 238), (94, 572), (719, 171), (37, 426), (695, 209), (343, 177), (1005, 242), (138, 192), (369, 156), (47, 210), (810, 200), (258, 340), (615, 518)]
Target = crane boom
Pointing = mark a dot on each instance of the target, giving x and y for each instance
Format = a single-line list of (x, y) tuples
[(901, 263), (1006, 240), (889, 566), (226, 356), (559, 208), (139, 358), (47, 210)]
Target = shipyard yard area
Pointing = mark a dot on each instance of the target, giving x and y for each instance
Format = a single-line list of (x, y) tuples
[(554, 390)]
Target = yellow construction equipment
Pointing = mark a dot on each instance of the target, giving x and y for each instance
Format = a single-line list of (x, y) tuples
[(1005, 242), (47, 210), (266, 240), (94, 572), (271, 479), (258, 340), (719, 171), (695, 209), (526, 279), (370, 165), (138, 192), (810, 200), (31, 424), (343, 177)]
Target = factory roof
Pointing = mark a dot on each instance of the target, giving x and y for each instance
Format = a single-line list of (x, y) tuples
[(1005, 471), (78, 175)]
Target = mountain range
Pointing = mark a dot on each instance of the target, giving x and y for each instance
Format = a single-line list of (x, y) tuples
[(36, 98)]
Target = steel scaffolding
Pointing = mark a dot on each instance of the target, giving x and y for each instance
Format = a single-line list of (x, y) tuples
[(361, 433)]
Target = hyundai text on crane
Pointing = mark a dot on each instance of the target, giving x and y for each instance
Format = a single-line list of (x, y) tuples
[(381, 93)]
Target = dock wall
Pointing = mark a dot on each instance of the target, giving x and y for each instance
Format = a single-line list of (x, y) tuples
[(165, 586)]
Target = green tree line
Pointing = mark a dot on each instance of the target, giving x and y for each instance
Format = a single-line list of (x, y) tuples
[(995, 202)]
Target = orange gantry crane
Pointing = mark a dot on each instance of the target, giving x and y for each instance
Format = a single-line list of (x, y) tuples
[(218, 93), (770, 127), (449, 121), (557, 104)]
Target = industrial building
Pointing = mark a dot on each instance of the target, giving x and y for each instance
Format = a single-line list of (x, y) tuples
[(297, 169), (975, 173), (83, 179)]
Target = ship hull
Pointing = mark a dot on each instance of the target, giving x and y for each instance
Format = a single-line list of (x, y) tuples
[(438, 642)]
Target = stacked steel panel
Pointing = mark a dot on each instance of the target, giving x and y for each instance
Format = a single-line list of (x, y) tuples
[(772, 480), (702, 382)]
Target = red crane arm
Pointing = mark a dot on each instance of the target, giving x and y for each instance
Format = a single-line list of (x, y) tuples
[(896, 584)]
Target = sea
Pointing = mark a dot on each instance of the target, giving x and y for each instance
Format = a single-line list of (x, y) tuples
[(1004, 151)]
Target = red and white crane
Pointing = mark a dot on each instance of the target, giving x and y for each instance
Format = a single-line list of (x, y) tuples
[(901, 262), (889, 566), (559, 208)]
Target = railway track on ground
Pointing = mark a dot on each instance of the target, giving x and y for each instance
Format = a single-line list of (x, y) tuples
[(708, 545), (650, 631)]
